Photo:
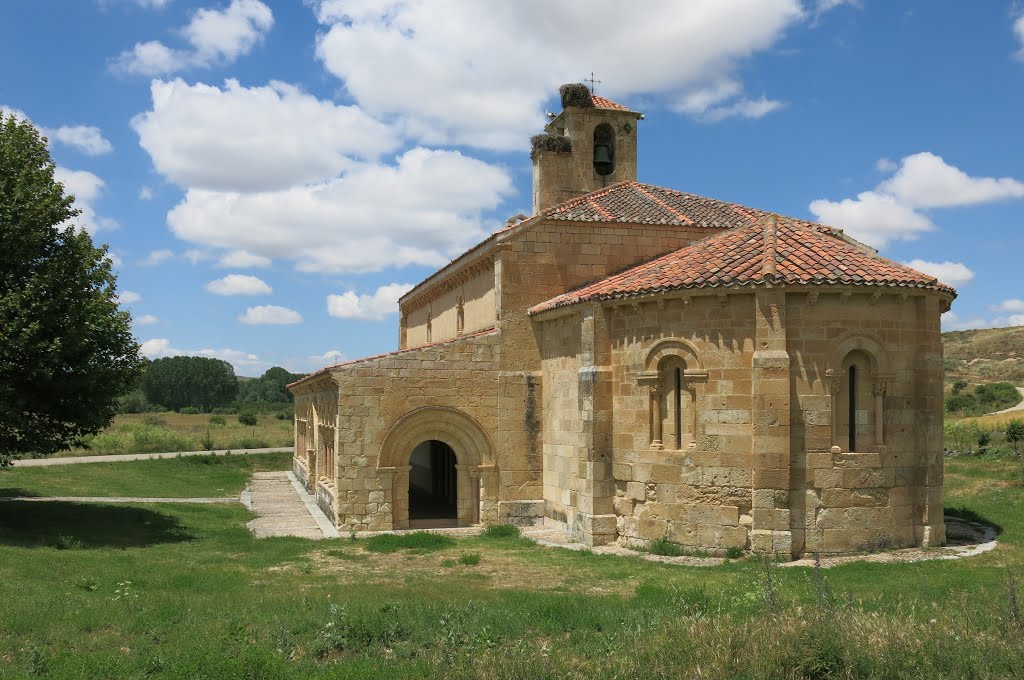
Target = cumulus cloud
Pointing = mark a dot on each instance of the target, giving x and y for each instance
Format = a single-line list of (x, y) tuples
[(350, 305), (270, 314), (1012, 305), (239, 284), (156, 257), (239, 138), (145, 193), (243, 362), (86, 188), (952, 322), (214, 37), (922, 181), (719, 100), (85, 138), (951, 273), (441, 67), (145, 320), (422, 210), (242, 259), (127, 297)]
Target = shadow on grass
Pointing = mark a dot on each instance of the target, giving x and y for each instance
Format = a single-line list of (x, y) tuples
[(65, 525), (972, 516), (14, 492)]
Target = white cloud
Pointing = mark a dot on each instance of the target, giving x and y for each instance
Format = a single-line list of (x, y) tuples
[(145, 320), (145, 193), (239, 138), (951, 322), (315, 362), (441, 68), (885, 165), (1018, 29), (423, 210), (924, 180), (215, 37), (156, 257), (270, 314), (195, 256), (127, 297), (239, 284), (872, 217), (893, 209), (115, 260), (243, 362), (383, 302), (85, 138), (1012, 305), (716, 101), (242, 259), (86, 188), (950, 273)]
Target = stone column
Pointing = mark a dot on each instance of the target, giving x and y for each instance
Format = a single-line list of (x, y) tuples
[(594, 522), (878, 390), (656, 442), (834, 377), (771, 530)]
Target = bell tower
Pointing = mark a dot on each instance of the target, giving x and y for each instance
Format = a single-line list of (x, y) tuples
[(589, 145)]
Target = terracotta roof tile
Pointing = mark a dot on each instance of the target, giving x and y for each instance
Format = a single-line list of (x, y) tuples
[(602, 103), (638, 203), (770, 249)]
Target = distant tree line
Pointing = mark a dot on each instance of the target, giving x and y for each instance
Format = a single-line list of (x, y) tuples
[(966, 400), (202, 384)]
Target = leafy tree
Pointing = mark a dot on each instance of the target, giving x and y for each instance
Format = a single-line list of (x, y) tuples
[(268, 388), (200, 382), (959, 385), (1015, 432), (66, 349)]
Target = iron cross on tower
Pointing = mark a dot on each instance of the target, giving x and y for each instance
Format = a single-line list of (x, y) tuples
[(593, 81)]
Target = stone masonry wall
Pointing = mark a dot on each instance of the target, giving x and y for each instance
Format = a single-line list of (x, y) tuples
[(376, 393)]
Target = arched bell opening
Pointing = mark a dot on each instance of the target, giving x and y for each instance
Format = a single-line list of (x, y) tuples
[(604, 150), (433, 485)]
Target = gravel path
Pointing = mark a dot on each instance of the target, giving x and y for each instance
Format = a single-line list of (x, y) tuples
[(76, 460)]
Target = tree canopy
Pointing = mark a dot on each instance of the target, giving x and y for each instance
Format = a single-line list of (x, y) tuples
[(268, 388), (201, 382), (66, 349)]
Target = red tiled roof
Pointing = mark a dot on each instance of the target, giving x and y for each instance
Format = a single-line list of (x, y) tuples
[(486, 331), (770, 249), (638, 203), (602, 103)]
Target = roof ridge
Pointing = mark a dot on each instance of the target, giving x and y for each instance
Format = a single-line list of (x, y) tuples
[(771, 251), (645, 192)]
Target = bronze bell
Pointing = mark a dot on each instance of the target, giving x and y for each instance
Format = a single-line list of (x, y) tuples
[(603, 159)]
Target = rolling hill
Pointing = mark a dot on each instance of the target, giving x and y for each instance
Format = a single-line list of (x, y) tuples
[(985, 355)]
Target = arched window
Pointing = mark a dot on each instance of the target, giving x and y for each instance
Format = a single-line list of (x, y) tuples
[(857, 414), (675, 403), (604, 149)]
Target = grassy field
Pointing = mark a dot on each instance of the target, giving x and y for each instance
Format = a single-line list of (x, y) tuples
[(190, 477), (985, 355), (175, 591), (166, 432)]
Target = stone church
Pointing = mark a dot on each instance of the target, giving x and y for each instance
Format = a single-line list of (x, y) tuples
[(633, 363)]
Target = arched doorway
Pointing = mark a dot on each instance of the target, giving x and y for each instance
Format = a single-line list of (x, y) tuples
[(433, 485)]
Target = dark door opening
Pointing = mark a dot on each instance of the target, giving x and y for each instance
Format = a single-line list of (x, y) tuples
[(433, 482)]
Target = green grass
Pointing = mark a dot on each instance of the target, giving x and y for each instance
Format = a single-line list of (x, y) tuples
[(417, 540), (175, 591), (191, 476)]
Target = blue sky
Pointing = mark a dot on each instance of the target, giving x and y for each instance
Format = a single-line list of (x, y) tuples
[(272, 175)]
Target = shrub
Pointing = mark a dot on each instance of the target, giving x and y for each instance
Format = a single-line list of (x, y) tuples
[(959, 385), (247, 418), (139, 438), (225, 410), (960, 435), (547, 142), (501, 531), (984, 438), (469, 559), (188, 410), (217, 420), (576, 94)]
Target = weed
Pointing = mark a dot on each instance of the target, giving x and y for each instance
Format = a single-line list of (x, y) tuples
[(1014, 604), (734, 552), (87, 584), (663, 546), (217, 420), (768, 589), (469, 559), (417, 540), (448, 564), (206, 441), (68, 543), (501, 531), (345, 555)]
